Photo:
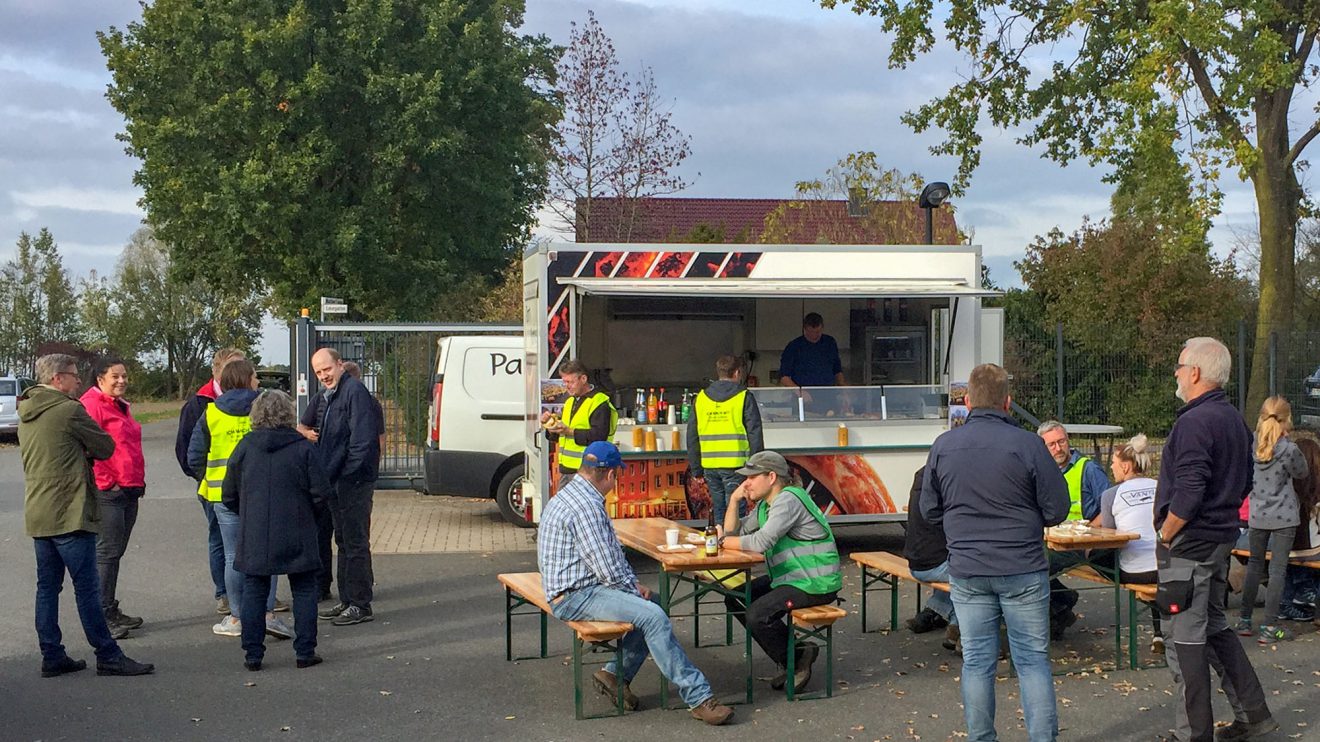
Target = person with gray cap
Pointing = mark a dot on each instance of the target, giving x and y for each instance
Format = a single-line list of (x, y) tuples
[(800, 555), (586, 578)]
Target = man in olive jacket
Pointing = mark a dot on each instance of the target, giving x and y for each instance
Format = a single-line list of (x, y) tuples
[(58, 441)]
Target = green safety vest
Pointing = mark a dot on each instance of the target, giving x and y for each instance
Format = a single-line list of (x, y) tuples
[(570, 451), (721, 432), (1074, 479), (226, 431), (810, 566)]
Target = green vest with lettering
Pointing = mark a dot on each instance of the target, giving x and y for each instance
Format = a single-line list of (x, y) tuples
[(720, 431), (226, 431), (1074, 479), (570, 451), (810, 566)]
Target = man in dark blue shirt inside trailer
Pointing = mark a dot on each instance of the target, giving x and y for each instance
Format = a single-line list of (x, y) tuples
[(812, 359)]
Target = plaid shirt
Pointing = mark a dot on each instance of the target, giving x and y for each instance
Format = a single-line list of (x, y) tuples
[(576, 545)]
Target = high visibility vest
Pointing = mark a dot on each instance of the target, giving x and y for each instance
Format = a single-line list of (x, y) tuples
[(226, 431), (1074, 479), (810, 566), (570, 451), (720, 431)]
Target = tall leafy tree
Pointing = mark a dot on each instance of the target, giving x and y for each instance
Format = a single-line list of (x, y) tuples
[(1222, 76), (384, 151), (36, 299)]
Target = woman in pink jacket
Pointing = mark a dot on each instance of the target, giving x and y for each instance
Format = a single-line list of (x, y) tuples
[(120, 483)]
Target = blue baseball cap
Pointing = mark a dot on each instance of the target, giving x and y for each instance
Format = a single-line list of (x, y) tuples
[(602, 455)]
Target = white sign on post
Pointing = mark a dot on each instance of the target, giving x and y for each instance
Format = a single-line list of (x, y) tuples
[(332, 305)]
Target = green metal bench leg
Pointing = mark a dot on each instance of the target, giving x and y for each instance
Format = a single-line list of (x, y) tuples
[(792, 657), (864, 594), (508, 625), (893, 603), (543, 629), (577, 677), (1132, 630), (825, 634)]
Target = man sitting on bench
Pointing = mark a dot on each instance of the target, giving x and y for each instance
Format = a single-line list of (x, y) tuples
[(586, 578), (800, 555)]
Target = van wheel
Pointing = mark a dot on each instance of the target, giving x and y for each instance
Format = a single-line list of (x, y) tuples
[(508, 496)]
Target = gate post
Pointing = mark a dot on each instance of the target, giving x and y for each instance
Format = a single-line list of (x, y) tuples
[(300, 360)]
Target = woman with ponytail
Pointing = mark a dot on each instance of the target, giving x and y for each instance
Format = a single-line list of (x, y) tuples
[(1274, 516), (1130, 506)]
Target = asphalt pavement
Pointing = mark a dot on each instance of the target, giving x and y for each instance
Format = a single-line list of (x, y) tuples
[(431, 666)]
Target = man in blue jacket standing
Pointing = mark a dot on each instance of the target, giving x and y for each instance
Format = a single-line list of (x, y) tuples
[(995, 488), (349, 444), (1205, 473)]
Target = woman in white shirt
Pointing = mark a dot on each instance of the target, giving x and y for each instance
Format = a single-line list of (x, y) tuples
[(1129, 506)]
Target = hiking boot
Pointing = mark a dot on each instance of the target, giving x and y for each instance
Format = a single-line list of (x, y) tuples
[(1296, 612), (1242, 730), (608, 685), (1060, 624), (228, 626), (806, 653), (325, 614), (712, 712), (353, 614), (926, 620), (278, 629), (951, 638), (117, 632), (306, 662), (61, 666), (116, 617), (281, 606), (1243, 627), (222, 605), (1272, 634), (125, 667), (802, 668)]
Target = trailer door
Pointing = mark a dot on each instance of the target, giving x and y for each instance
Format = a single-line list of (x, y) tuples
[(537, 461)]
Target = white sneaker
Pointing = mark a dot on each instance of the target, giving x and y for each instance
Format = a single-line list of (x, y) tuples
[(228, 626), (278, 629)]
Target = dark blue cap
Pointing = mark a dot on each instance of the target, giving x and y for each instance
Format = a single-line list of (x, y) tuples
[(605, 455)]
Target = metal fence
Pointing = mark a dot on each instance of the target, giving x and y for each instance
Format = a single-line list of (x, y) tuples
[(398, 362)]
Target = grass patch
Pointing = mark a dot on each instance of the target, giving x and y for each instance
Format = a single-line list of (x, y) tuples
[(150, 411)]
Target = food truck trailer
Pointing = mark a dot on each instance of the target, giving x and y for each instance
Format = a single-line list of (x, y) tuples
[(908, 321)]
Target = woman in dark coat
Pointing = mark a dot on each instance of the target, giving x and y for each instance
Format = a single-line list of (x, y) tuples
[(274, 483)]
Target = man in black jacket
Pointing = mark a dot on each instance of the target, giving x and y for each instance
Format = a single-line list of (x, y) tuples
[(1205, 473), (349, 445), (191, 412), (927, 553)]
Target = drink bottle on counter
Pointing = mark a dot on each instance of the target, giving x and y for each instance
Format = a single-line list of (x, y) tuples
[(687, 407), (639, 407), (712, 536), (652, 407)]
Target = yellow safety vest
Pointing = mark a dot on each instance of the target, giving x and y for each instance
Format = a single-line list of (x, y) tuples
[(226, 431), (1074, 479), (720, 431), (570, 451)]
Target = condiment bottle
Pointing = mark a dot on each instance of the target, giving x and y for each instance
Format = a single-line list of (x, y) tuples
[(675, 440), (650, 439), (843, 435)]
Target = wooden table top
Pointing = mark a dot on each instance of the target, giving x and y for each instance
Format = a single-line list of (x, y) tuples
[(647, 536), (1094, 537)]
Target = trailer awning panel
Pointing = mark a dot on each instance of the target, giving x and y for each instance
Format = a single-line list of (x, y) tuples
[(785, 288)]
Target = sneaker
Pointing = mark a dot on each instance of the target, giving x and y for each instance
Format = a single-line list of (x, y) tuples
[(1157, 645), (608, 685), (278, 629), (1272, 634), (228, 626), (281, 606), (1242, 730), (926, 620), (1243, 627), (1296, 612), (1060, 624), (325, 614), (222, 605), (62, 666), (952, 638), (306, 662), (125, 667), (712, 712), (1306, 597), (352, 615)]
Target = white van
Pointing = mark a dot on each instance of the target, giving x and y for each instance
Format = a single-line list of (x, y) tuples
[(474, 447), (11, 388)]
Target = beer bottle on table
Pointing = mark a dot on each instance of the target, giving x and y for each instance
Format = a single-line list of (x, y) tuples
[(712, 536)]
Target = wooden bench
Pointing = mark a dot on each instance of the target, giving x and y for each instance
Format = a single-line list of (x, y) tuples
[(525, 589), (1138, 593), (813, 622), (1311, 562), (883, 567)]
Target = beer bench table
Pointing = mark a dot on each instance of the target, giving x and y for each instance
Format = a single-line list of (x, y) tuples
[(523, 589), (1310, 562), (691, 569), (882, 567), (1084, 540)]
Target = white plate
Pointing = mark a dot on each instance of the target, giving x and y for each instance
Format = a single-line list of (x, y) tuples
[(695, 538), (679, 547)]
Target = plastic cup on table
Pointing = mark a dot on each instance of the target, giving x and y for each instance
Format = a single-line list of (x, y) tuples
[(671, 538)]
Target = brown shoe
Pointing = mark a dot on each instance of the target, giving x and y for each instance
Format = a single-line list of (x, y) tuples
[(951, 638), (712, 712), (608, 685)]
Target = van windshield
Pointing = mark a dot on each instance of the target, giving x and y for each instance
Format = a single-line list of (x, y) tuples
[(8, 388)]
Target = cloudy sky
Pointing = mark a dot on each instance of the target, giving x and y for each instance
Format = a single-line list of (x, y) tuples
[(771, 92)]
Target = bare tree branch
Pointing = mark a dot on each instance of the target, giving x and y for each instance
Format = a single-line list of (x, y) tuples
[(1304, 140), (1224, 121)]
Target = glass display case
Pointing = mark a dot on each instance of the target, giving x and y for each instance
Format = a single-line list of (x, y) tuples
[(779, 404)]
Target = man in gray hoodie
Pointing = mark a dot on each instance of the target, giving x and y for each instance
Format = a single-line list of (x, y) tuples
[(724, 431)]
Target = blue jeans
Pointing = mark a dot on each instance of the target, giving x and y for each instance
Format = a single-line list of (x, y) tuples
[(228, 521), (940, 602), (1022, 602), (1300, 583), (721, 483), (76, 553), (215, 546), (653, 633)]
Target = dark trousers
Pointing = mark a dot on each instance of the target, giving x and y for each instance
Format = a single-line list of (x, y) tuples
[(325, 534), (1062, 597), (215, 547), (765, 617), (303, 586), (75, 553), (119, 512), (352, 519), (1279, 542), (1104, 559)]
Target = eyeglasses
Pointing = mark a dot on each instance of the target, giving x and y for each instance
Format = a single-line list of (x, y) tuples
[(68, 373), (1180, 366)]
